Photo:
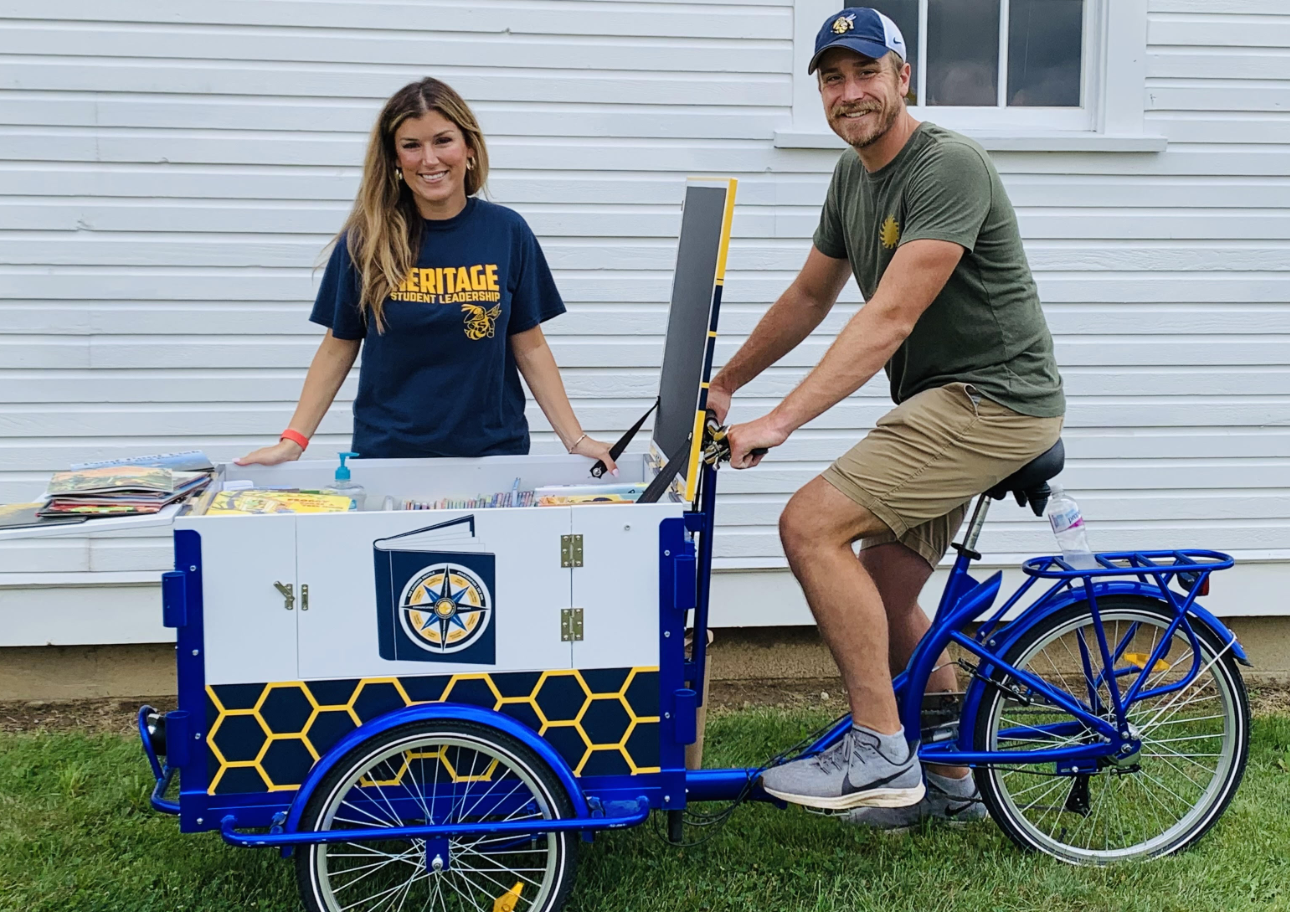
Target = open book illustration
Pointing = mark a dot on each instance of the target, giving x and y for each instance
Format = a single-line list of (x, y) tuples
[(436, 595)]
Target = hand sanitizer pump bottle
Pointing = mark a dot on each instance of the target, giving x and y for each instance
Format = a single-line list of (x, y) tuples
[(345, 487)]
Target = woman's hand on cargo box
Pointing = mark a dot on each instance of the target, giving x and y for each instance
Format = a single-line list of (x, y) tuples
[(595, 449), (282, 451)]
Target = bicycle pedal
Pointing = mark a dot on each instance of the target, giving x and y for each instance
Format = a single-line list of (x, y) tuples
[(946, 731), (940, 709), (827, 812)]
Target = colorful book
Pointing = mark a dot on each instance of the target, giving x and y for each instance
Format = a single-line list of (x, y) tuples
[(88, 510), (258, 501), (188, 461), (564, 500), (629, 490), (143, 479), (27, 515)]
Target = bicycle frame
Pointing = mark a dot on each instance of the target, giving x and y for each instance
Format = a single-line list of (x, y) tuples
[(965, 600)]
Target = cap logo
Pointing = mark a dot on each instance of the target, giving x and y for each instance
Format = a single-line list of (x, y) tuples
[(844, 24)]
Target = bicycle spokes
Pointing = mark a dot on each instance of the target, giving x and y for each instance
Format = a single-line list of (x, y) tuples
[(1181, 711)]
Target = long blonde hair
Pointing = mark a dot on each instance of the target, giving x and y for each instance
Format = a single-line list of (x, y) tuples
[(384, 229)]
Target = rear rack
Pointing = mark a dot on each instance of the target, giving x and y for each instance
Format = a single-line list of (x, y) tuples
[(1191, 569), (1132, 563)]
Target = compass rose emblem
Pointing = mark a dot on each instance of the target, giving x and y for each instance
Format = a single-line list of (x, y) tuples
[(445, 608)]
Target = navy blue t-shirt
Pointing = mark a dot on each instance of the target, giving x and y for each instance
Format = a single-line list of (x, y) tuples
[(441, 379)]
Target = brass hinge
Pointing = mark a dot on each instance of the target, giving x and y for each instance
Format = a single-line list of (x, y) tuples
[(571, 625), (570, 550)]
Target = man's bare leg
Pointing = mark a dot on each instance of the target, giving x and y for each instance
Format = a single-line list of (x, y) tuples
[(900, 575), (817, 529), (872, 766)]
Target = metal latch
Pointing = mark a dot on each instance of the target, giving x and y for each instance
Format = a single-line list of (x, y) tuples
[(571, 625), (304, 596), (571, 550), (288, 591)]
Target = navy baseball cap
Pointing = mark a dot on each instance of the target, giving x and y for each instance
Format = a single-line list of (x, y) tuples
[(860, 29)]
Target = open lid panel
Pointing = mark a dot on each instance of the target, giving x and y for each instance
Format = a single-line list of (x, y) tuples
[(692, 327)]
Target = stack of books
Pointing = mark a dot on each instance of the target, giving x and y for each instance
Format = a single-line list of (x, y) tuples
[(119, 490)]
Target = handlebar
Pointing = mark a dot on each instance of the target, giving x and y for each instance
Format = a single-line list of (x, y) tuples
[(716, 445)]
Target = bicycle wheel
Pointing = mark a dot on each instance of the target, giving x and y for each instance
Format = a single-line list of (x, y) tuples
[(1195, 740), (442, 772)]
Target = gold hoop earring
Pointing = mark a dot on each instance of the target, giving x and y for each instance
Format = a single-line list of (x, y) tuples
[(470, 164)]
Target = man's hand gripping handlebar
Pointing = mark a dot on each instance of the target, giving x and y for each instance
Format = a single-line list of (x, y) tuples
[(716, 445)]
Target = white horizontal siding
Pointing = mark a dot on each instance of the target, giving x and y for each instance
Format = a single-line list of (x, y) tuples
[(170, 174)]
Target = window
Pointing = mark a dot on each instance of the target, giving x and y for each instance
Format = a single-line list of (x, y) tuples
[(992, 53), (1023, 75)]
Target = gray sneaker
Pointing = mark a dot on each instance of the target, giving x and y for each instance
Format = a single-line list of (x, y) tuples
[(864, 769), (943, 803)]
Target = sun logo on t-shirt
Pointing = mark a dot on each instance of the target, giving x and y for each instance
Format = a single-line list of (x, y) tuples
[(480, 323), (889, 233)]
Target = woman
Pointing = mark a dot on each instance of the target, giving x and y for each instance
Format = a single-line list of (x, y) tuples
[(446, 291)]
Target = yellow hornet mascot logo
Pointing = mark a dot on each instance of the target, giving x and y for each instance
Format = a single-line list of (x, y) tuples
[(844, 24), (480, 323)]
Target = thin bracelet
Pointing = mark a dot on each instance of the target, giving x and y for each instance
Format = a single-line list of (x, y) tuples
[(576, 442)]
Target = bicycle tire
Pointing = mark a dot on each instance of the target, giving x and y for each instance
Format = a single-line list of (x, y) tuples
[(473, 877), (1214, 794)]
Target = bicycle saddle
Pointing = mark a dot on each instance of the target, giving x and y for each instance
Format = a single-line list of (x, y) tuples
[(1029, 484)]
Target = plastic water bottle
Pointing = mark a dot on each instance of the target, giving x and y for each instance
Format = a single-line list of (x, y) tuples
[(1068, 526)]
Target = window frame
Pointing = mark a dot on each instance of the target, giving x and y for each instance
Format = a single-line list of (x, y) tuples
[(1111, 117)]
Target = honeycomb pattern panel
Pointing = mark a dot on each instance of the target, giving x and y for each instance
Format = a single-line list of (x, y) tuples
[(266, 737)]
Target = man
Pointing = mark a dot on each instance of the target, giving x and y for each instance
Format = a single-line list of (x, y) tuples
[(919, 216)]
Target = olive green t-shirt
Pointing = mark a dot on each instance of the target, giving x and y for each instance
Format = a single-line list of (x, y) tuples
[(986, 326)]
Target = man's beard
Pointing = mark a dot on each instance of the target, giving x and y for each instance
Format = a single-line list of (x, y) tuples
[(886, 117)]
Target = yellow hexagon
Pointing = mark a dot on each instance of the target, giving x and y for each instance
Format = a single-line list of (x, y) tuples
[(229, 714), (285, 686), (458, 678), (367, 682), (555, 675), (239, 765)]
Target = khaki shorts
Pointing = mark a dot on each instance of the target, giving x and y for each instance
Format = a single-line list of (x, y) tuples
[(927, 458)]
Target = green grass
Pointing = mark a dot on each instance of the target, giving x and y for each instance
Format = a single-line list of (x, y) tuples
[(76, 833)]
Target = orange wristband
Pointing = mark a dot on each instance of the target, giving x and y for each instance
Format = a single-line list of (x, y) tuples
[(295, 437)]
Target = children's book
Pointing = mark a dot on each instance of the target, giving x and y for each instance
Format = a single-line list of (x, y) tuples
[(564, 500), (113, 479), (632, 489), (25, 515), (189, 461), (257, 501), (87, 510)]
